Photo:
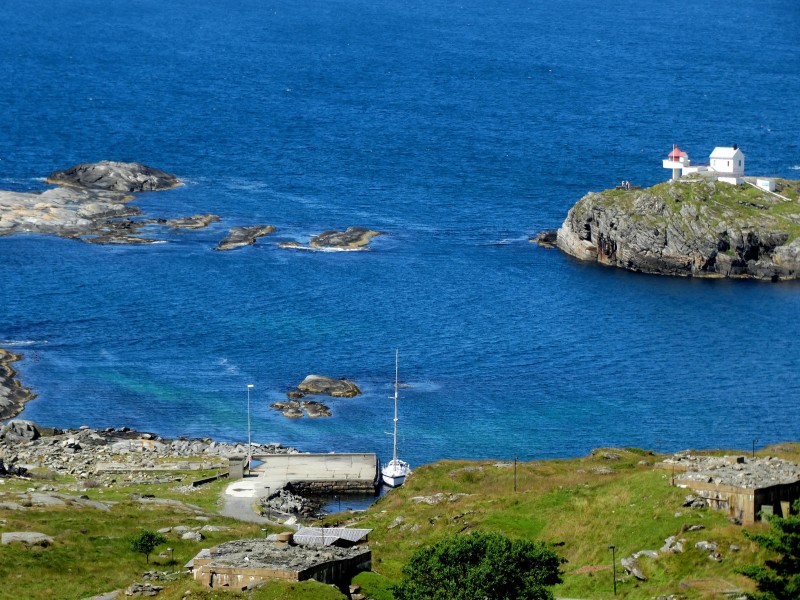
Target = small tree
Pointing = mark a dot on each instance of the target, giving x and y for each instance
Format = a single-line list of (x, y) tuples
[(479, 566), (778, 579), (146, 541)]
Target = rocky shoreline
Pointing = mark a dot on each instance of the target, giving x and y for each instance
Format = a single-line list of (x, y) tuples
[(13, 395), (92, 204), (691, 227), (112, 455)]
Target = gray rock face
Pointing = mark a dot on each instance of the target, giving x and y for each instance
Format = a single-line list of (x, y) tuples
[(115, 176), (695, 228)]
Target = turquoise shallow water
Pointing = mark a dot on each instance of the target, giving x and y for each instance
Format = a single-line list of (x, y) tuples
[(459, 130)]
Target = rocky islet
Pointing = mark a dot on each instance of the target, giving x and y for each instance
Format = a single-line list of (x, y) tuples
[(689, 227)]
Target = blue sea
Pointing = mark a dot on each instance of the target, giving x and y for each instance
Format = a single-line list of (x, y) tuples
[(459, 129)]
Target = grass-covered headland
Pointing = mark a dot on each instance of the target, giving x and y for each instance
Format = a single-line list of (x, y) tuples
[(579, 506)]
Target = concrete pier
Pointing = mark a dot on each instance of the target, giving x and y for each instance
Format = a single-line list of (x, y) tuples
[(307, 473)]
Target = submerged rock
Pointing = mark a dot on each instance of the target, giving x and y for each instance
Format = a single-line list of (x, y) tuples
[(116, 176), (193, 222)]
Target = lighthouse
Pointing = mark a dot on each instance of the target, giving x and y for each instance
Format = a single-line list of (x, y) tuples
[(677, 160)]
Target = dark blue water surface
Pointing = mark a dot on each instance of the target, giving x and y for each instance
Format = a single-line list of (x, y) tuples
[(457, 128)]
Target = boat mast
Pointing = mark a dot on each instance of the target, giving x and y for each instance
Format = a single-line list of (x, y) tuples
[(396, 373)]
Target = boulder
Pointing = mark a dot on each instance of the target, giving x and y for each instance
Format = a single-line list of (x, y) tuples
[(116, 176), (21, 431), (29, 538), (632, 567)]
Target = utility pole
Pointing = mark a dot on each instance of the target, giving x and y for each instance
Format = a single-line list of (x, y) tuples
[(614, 566)]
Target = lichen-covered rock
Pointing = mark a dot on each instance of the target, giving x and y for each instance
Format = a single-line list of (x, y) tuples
[(116, 176), (690, 227)]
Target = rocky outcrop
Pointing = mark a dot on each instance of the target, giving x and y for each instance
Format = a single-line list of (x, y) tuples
[(115, 176), (92, 205), (337, 388), (351, 239), (690, 227), (114, 454), (293, 408), (244, 236), (13, 395)]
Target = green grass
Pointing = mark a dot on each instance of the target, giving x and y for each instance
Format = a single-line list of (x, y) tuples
[(715, 203), (567, 503)]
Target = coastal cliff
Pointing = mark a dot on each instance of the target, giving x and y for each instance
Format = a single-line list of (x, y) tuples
[(690, 227)]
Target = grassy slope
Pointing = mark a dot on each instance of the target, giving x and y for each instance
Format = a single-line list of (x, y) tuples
[(562, 502), (720, 203)]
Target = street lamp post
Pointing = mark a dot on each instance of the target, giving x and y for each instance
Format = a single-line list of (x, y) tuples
[(171, 555), (754, 448), (614, 566), (249, 452)]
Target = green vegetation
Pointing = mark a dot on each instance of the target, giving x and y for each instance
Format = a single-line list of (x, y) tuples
[(778, 579), (146, 541), (478, 566), (717, 203), (577, 507)]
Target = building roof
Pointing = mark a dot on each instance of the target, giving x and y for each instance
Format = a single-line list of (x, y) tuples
[(325, 536), (676, 152), (739, 471), (724, 152)]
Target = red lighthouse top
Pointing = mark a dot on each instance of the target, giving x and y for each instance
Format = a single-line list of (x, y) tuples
[(676, 152)]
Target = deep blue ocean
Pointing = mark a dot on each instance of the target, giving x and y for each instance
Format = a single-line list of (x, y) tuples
[(459, 129)]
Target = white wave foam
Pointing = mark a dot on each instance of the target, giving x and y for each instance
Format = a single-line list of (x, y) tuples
[(21, 342), (795, 168), (313, 249)]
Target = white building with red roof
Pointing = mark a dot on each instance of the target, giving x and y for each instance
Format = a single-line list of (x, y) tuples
[(725, 164)]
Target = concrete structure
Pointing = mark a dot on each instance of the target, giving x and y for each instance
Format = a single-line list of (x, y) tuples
[(740, 486), (304, 474), (765, 183), (240, 564)]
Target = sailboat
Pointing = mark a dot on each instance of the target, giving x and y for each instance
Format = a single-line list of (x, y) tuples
[(396, 471)]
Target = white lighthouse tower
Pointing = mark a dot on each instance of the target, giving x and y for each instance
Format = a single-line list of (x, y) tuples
[(677, 160)]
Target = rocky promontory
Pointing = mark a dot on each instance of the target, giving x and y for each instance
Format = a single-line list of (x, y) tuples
[(690, 227), (92, 204)]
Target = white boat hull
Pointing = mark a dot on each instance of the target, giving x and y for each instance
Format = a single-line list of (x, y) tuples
[(395, 473)]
